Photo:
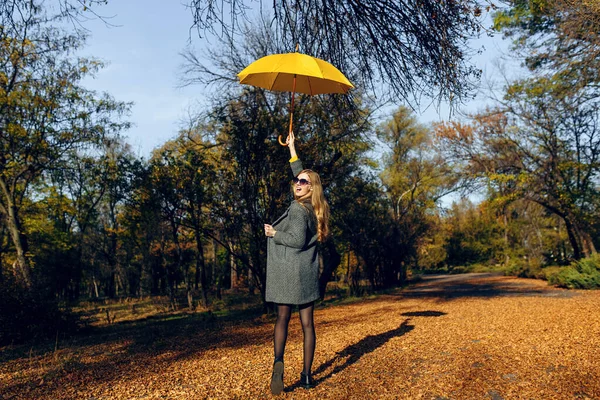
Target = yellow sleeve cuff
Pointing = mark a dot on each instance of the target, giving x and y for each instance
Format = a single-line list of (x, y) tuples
[(293, 158)]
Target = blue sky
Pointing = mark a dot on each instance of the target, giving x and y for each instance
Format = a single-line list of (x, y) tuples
[(142, 56), (142, 52)]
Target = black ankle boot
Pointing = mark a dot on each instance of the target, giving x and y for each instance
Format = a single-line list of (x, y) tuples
[(277, 377), (306, 381)]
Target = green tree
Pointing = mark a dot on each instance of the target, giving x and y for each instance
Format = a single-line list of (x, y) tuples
[(473, 235), (185, 181), (142, 224), (363, 229), (164, 177), (44, 111), (114, 178), (539, 145), (73, 221), (557, 38), (555, 112), (415, 178)]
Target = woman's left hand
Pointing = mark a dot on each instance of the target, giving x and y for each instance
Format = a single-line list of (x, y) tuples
[(269, 231)]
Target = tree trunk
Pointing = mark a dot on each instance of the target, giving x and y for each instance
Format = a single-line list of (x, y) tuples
[(587, 244), (573, 238), (22, 269), (233, 269), (197, 276), (190, 298), (250, 279), (506, 244), (110, 290), (329, 259), (580, 240), (347, 277), (217, 270), (200, 266), (95, 282)]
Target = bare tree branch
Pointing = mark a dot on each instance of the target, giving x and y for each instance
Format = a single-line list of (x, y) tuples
[(406, 49)]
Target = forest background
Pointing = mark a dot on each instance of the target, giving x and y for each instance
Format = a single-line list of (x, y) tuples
[(86, 221)]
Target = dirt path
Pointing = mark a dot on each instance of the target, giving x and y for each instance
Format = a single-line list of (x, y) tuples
[(473, 336)]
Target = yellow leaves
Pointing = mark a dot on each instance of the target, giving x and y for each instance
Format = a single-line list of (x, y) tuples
[(16, 131), (501, 178), (526, 342), (18, 52), (66, 136), (499, 202)]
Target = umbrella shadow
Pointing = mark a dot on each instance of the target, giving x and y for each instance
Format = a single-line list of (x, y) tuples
[(427, 313), (354, 352), (481, 285)]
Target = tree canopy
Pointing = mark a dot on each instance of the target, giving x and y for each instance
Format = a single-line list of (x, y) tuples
[(44, 111), (556, 37)]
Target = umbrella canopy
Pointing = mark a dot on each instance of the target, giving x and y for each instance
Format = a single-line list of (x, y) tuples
[(295, 72), (312, 75)]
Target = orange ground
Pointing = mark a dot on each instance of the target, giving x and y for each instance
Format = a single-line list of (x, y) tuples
[(473, 336)]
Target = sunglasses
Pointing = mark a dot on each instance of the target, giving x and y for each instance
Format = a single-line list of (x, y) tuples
[(302, 182)]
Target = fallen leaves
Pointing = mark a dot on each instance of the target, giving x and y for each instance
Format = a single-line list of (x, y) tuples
[(473, 336)]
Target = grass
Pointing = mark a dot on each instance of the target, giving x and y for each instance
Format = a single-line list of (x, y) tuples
[(239, 304), (107, 312)]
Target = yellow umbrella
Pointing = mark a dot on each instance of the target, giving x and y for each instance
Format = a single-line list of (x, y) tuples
[(295, 72)]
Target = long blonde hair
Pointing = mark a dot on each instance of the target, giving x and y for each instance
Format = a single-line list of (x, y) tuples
[(319, 204)]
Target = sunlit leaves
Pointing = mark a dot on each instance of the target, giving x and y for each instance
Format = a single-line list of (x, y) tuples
[(541, 145), (558, 39)]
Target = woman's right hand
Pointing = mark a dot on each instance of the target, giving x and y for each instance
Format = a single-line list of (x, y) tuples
[(290, 142), (290, 139), (269, 231)]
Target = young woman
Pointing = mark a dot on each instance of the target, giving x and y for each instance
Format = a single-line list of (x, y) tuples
[(293, 265)]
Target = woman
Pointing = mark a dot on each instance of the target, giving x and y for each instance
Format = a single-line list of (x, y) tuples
[(293, 265)]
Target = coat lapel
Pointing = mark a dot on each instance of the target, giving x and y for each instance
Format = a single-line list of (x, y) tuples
[(285, 214)]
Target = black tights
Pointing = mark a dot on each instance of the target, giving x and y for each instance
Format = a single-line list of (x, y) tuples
[(284, 313)]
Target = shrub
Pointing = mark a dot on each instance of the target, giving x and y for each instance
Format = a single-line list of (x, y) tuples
[(521, 269), (28, 314), (548, 273), (582, 274)]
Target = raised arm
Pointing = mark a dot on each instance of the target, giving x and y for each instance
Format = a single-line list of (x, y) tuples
[(295, 162)]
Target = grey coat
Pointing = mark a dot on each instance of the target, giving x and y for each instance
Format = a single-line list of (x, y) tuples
[(292, 262)]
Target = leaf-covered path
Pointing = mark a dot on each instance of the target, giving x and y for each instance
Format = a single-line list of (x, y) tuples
[(473, 336)]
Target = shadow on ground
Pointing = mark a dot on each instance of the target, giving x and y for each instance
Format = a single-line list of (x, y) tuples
[(423, 314), (368, 344), (480, 285), (354, 352), (155, 342)]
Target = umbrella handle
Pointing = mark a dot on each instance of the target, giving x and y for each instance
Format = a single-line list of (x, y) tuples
[(281, 142), (291, 112)]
